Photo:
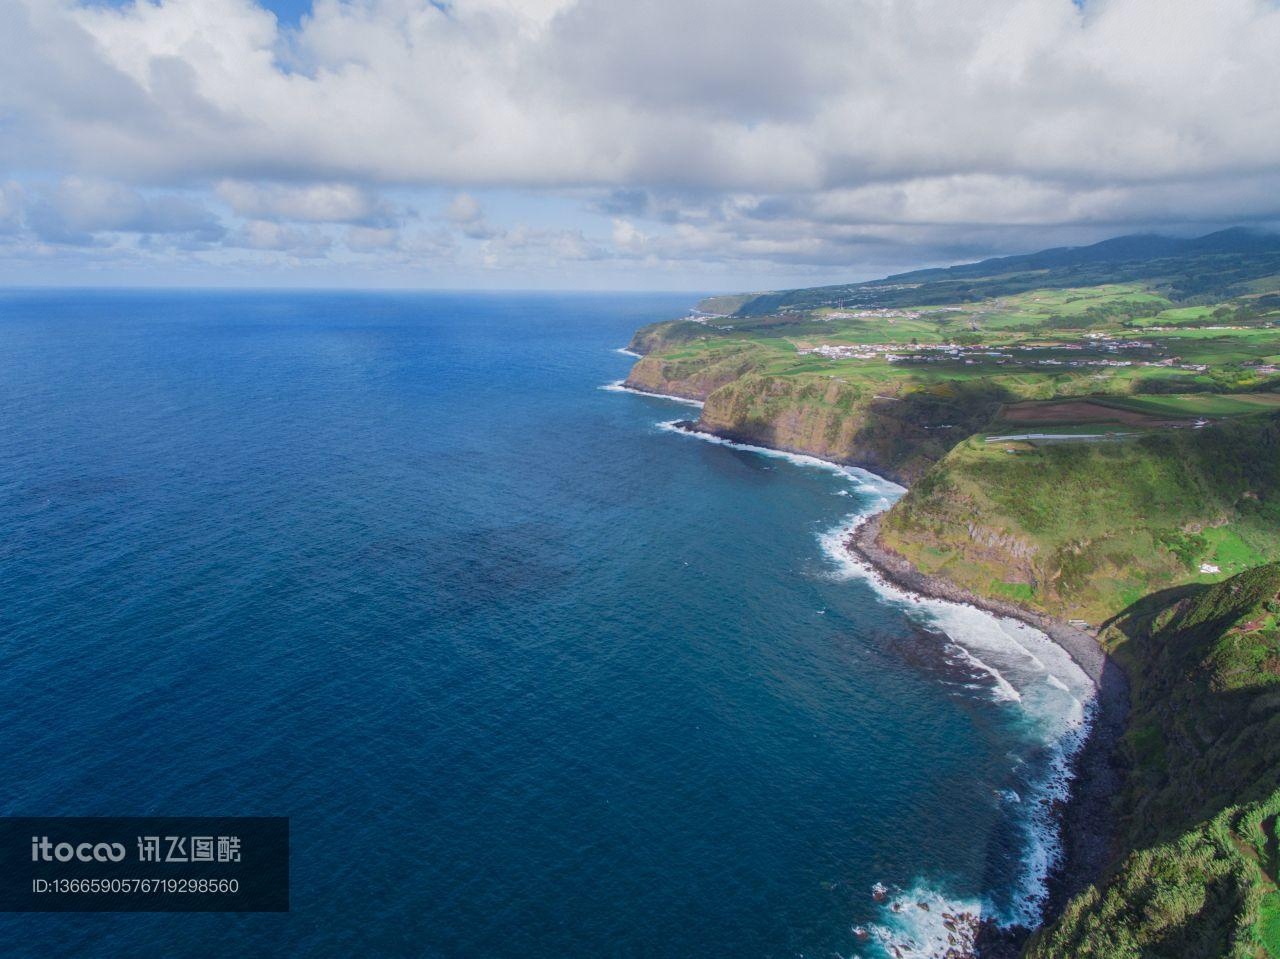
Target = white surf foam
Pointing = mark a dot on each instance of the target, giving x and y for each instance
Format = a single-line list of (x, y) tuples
[(1026, 668), (864, 481), (1003, 689), (910, 930), (626, 352), (620, 386)]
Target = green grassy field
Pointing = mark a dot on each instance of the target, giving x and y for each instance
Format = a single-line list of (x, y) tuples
[(1183, 314), (1198, 404)]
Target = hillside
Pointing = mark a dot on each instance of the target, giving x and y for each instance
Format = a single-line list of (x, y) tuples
[(1212, 267), (1070, 448), (1083, 530), (1195, 874), (894, 389)]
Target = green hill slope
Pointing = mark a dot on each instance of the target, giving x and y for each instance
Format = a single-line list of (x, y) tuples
[(1084, 529), (1196, 875), (1218, 265)]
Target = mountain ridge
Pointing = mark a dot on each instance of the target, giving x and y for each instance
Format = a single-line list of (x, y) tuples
[(1126, 256)]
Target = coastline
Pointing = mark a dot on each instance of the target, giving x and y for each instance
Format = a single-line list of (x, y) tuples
[(622, 386), (1084, 819), (743, 439)]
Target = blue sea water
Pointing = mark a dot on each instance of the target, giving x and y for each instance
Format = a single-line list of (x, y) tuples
[(531, 674)]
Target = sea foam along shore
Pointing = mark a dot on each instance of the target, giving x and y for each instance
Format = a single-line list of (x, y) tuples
[(620, 386), (1086, 819), (1052, 870), (1056, 694)]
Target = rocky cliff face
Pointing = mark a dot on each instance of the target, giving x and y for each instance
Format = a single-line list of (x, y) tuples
[(898, 436), (692, 381), (898, 433), (832, 420), (656, 336)]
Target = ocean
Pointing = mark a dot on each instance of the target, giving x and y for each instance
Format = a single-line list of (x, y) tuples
[(532, 673)]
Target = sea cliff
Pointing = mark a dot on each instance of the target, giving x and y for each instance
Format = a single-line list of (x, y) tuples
[(1094, 449), (896, 436)]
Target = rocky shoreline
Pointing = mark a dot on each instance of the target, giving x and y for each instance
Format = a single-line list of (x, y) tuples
[(631, 387), (1086, 820)]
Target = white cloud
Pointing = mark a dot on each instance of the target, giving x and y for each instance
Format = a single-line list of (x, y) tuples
[(627, 237), (76, 210), (528, 247), (465, 212), (798, 133), (368, 239), (316, 203), (269, 235), (464, 209), (816, 94)]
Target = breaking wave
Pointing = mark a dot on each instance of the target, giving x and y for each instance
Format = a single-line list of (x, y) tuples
[(620, 386), (863, 481)]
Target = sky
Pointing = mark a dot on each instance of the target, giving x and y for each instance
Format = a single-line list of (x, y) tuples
[(617, 144)]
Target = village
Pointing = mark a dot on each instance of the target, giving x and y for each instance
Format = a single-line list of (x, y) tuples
[(973, 353)]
